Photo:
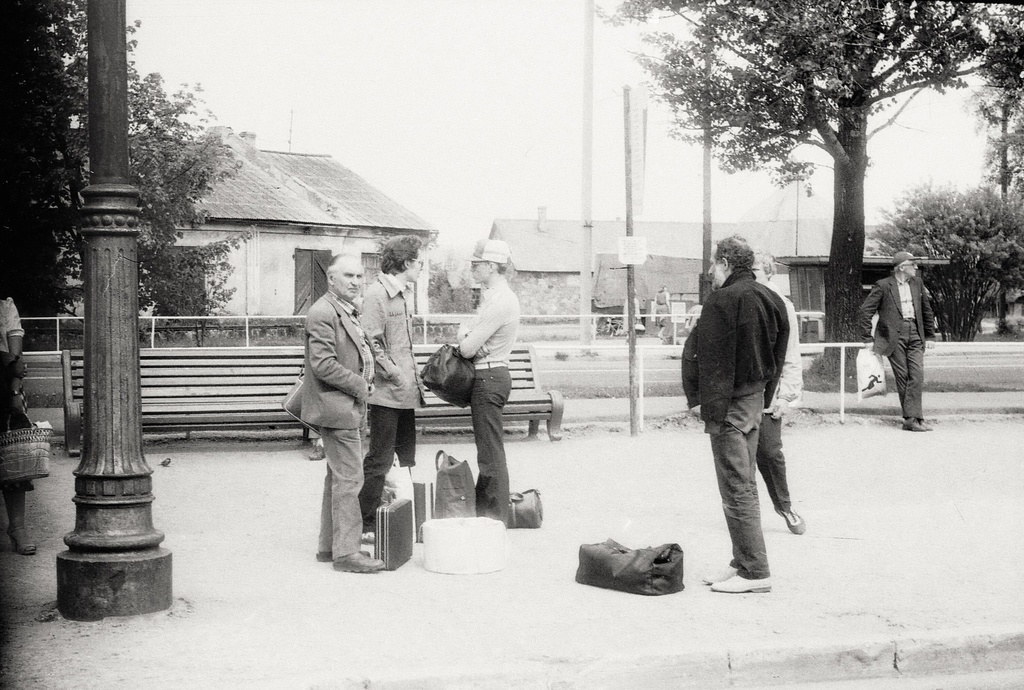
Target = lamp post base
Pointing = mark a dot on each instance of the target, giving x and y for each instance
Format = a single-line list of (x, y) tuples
[(92, 586)]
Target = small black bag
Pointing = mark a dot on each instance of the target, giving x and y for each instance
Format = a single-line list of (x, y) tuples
[(651, 571), (454, 488), (449, 375), (525, 510)]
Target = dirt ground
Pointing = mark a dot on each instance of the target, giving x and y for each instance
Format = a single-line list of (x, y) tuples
[(908, 534)]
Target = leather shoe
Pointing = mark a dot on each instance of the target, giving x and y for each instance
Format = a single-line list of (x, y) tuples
[(794, 522), (726, 574), (914, 425), (741, 585), (358, 563)]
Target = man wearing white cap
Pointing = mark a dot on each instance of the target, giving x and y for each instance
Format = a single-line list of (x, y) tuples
[(906, 325), (488, 341)]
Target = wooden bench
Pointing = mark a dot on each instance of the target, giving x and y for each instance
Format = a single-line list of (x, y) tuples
[(526, 403), (235, 388), (199, 389)]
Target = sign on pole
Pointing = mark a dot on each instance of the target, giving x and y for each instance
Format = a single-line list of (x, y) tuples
[(632, 250)]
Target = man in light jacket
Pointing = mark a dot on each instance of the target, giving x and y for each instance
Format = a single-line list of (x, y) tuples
[(388, 307), (770, 460)]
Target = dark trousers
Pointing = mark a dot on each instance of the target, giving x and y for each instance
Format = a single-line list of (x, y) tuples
[(772, 463), (392, 432), (734, 445), (490, 393), (907, 362)]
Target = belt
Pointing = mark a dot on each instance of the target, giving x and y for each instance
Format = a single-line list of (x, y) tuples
[(490, 365)]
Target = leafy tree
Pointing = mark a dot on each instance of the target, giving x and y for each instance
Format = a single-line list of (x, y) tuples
[(807, 72), (45, 146), (983, 236), (1000, 106), (37, 165)]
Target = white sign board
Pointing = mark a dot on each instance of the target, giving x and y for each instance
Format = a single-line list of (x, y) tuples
[(679, 314), (632, 250)]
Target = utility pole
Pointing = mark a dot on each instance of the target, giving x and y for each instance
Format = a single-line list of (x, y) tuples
[(114, 565), (704, 286), (587, 245), (630, 311)]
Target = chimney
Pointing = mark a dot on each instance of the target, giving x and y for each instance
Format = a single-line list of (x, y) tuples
[(542, 218), (249, 138)]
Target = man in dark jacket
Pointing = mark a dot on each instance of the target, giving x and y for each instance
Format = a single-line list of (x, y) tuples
[(732, 362), (906, 325)]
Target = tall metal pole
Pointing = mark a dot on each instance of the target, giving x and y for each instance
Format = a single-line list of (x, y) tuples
[(114, 565), (634, 413), (587, 246)]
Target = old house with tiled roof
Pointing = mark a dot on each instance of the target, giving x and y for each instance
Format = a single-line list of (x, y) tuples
[(292, 212)]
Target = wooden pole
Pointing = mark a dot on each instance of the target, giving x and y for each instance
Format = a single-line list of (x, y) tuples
[(634, 416), (587, 246)]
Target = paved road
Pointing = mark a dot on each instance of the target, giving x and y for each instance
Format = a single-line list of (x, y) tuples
[(998, 370)]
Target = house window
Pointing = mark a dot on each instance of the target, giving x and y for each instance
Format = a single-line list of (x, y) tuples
[(371, 267), (310, 277)]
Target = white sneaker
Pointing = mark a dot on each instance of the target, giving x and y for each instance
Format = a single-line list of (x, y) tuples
[(741, 585), (720, 577)]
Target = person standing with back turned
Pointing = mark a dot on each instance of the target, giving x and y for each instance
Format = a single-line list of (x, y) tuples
[(387, 321), (906, 325), (732, 361), (339, 378), (488, 341)]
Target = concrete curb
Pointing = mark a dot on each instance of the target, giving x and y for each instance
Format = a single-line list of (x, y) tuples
[(916, 655)]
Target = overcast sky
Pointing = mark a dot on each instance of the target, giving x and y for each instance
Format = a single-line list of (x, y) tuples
[(469, 110)]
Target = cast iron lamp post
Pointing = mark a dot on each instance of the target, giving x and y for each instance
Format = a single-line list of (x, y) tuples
[(114, 565)]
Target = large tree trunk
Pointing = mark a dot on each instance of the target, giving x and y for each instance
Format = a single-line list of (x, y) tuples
[(843, 291)]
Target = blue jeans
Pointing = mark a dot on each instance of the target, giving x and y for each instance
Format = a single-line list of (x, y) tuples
[(340, 519), (734, 445), (491, 389)]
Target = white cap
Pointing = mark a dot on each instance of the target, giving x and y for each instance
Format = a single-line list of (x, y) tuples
[(492, 250)]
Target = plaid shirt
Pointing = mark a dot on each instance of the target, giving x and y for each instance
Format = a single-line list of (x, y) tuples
[(364, 344)]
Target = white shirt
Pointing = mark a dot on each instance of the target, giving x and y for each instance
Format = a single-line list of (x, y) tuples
[(906, 299)]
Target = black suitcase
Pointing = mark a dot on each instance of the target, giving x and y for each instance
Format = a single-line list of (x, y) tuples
[(394, 533)]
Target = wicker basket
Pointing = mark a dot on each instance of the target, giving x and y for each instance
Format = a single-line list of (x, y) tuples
[(25, 454)]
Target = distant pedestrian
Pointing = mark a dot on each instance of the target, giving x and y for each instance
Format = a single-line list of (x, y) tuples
[(339, 379), (488, 341), (770, 460), (732, 361), (387, 321), (662, 303), (906, 325)]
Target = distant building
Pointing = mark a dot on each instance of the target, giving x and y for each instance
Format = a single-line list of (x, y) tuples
[(294, 211), (546, 258)]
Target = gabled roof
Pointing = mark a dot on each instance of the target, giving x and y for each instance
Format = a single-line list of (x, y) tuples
[(301, 188), (554, 245)]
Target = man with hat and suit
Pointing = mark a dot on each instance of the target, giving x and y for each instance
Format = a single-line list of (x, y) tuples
[(488, 341), (906, 325)]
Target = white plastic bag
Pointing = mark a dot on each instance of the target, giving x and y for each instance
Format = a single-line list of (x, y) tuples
[(399, 480), (870, 374)]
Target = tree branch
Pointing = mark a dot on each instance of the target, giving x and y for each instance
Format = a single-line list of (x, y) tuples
[(922, 84), (898, 112)]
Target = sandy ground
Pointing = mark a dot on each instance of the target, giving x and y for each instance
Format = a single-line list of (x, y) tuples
[(907, 534)]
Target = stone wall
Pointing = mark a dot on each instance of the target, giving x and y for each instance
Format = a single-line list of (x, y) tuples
[(547, 293)]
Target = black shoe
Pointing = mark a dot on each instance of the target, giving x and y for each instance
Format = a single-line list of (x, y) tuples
[(914, 425), (358, 562), (794, 522)]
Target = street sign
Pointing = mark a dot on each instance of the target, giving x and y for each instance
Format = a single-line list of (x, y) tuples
[(632, 250)]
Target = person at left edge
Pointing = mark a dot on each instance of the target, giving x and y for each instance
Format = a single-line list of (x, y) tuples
[(397, 391), (338, 382)]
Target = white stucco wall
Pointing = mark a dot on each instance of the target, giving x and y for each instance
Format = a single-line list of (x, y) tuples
[(264, 263)]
